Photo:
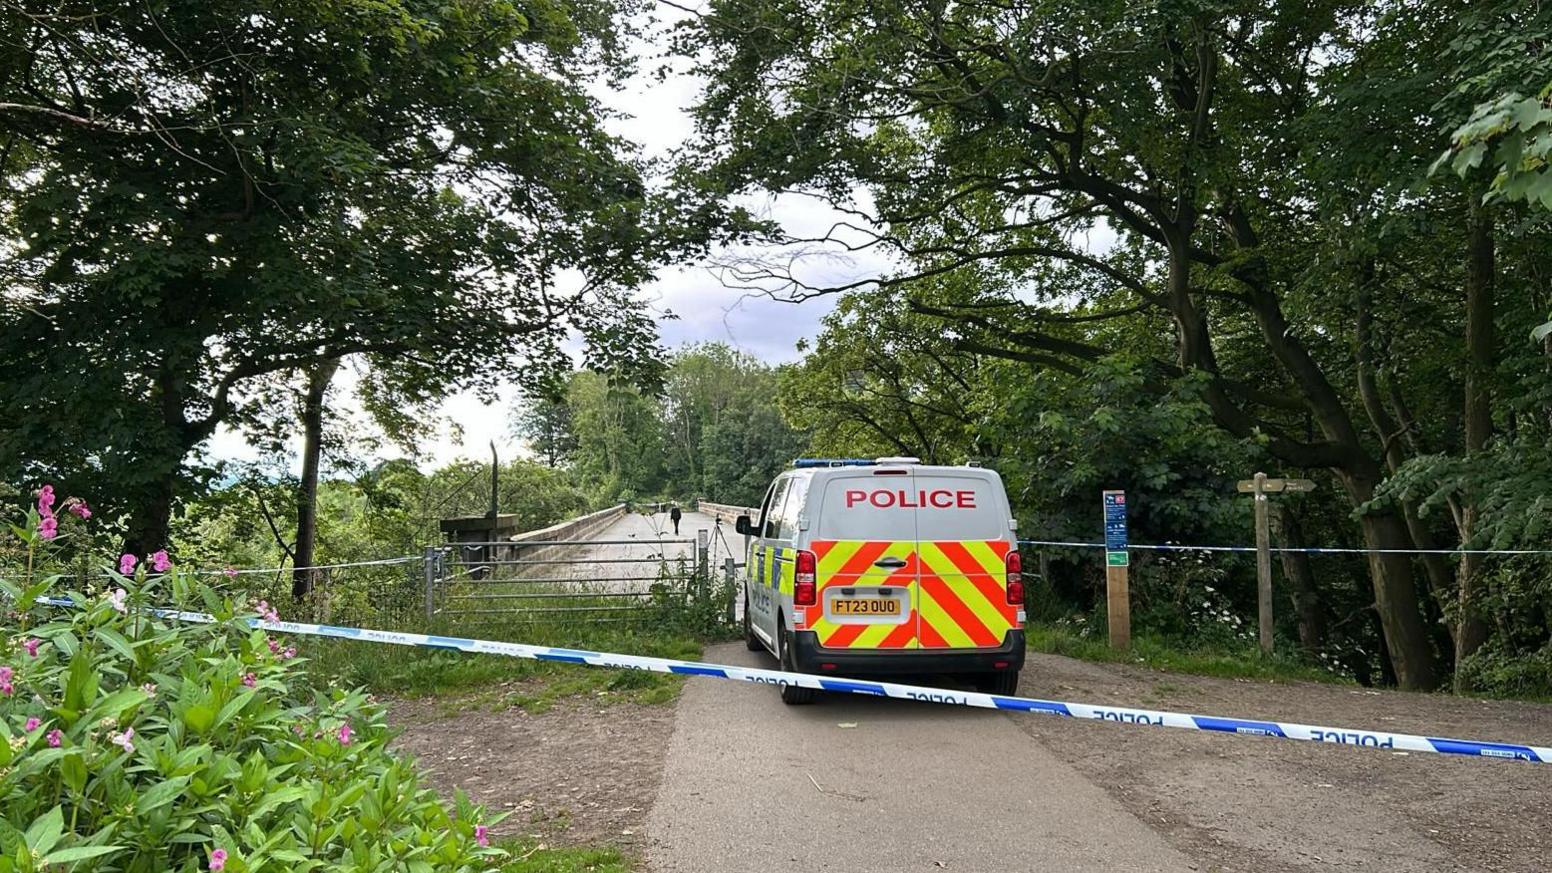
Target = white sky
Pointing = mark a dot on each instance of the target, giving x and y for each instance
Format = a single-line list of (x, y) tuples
[(705, 309)]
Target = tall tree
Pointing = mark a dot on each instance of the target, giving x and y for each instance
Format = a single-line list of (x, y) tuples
[(1192, 166), (543, 421), (197, 196)]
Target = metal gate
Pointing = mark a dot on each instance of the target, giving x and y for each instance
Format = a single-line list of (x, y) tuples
[(595, 581)]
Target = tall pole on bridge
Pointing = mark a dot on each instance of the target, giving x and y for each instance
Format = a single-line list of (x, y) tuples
[(495, 468)]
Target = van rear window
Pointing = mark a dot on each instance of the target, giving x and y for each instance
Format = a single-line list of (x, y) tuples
[(851, 513), (941, 507), (959, 508)]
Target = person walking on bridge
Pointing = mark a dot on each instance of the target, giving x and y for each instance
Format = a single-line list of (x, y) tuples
[(674, 515)]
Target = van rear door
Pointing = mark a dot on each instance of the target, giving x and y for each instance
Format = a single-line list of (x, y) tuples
[(963, 540), (866, 544)]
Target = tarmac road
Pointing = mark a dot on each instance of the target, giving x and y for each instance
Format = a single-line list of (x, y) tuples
[(861, 784)]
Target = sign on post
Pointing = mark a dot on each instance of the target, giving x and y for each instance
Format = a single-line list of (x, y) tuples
[(1272, 486), (1117, 586), (1259, 488)]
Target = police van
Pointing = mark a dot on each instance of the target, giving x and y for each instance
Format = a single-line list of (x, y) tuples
[(886, 566)]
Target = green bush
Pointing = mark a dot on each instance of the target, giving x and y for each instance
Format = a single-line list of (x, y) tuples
[(135, 742), (1495, 672)]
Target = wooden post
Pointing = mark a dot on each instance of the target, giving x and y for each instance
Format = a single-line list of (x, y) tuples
[(1118, 597), (1258, 488), (1263, 564), (1118, 591)]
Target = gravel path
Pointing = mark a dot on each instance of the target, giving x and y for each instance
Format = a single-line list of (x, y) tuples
[(860, 784)]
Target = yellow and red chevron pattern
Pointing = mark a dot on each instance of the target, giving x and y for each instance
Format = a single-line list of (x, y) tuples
[(956, 590), (963, 598)]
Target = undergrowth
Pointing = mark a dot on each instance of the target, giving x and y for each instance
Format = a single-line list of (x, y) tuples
[(1226, 662)]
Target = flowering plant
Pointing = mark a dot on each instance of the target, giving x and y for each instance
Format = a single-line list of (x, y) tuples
[(130, 741)]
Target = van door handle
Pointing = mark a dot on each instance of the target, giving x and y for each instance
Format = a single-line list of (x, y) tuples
[(889, 563)]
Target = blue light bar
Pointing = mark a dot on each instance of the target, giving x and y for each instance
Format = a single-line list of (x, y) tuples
[(801, 463)]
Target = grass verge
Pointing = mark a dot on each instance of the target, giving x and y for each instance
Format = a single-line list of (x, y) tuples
[(537, 858), (1149, 651), (402, 671)]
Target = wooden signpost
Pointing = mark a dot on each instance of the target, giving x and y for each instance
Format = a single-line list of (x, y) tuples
[(1259, 487), (1118, 596)]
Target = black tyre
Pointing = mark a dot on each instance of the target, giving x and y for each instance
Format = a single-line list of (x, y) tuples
[(751, 642), (792, 695), (1004, 682)]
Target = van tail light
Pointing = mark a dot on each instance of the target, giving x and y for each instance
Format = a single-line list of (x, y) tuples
[(1015, 567), (805, 591)]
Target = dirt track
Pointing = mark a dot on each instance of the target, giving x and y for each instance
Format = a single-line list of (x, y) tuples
[(1241, 803), (581, 773)]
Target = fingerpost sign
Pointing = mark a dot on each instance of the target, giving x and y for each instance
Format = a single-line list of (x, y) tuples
[(1117, 585)]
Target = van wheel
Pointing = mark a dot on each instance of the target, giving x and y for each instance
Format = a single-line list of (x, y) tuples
[(792, 695), (751, 642), (1003, 682)]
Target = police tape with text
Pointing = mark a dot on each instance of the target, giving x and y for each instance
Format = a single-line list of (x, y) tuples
[(1249, 727)]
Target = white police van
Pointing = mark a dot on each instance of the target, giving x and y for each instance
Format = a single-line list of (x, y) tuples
[(886, 566)]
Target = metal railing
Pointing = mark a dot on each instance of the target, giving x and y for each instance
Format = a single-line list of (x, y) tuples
[(598, 580)]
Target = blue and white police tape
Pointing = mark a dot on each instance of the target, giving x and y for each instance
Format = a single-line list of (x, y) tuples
[(1305, 550), (1125, 715)]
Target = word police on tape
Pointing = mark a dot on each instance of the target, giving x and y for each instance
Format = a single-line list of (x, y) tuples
[(1123, 715)]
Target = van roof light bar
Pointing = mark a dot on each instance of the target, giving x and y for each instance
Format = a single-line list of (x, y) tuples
[(802, 463)]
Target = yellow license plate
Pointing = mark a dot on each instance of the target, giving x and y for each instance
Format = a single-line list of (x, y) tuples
[(866, 606)]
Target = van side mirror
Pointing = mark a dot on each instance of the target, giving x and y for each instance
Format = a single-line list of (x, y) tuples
[(743, 525)]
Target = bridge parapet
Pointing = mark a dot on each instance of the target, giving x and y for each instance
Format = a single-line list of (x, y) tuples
[(725, 512)]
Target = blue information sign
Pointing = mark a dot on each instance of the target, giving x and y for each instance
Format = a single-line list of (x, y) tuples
[(1115, 521)]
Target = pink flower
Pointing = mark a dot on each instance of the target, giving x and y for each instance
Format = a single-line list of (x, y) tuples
[(288, 654), (32, 647), (117, 598), (250, 680), (218, 859), (345, 734), (159, 561), (267, 612), (482, 835), (46, 500), (81, 509), (127, 564), (124, 740), (55, 737), (32, 724), (5, 680), (274, 646), (48, 528), (230, 572)]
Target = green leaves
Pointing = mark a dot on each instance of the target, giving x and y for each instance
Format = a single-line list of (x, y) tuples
[(396, 183), (259, 772)]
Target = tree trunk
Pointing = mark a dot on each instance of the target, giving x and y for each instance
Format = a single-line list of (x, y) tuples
[(150, 520), (1392, 435), (160, 455), (1301, 579), (1481, 357), (1395, 594), (307, 494)]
